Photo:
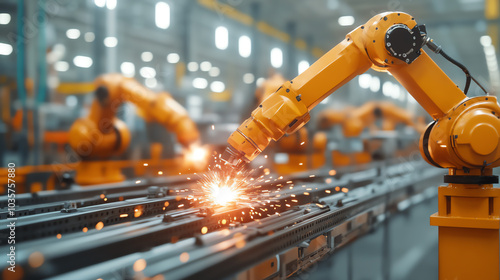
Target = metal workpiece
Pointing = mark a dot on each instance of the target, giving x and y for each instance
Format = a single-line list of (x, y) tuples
[(197, 242), (53, 223)]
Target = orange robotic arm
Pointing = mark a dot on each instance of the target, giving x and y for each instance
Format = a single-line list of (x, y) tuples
[(367, 114), (387, 42), (101, 134)]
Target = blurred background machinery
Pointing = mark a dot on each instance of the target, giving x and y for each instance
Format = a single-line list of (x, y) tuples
[(163, 84)]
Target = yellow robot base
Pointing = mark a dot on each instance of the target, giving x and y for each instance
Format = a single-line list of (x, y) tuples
[(468, 218)]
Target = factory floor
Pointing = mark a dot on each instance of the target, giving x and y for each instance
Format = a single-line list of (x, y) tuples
[(412, 250)]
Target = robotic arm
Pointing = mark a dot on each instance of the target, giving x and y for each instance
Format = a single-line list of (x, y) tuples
[(101, 134), (388, 42), (370, 112)]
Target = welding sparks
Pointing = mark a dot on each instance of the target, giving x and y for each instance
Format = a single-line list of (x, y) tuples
[(223, 185)]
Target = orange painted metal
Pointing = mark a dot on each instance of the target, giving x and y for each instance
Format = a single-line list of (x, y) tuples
[(101, 134)]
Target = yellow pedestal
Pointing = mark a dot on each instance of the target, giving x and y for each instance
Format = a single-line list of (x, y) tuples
[(469, 222)]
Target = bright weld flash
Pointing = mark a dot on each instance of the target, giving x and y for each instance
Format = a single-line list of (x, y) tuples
[(222, 185), (223, 195), (197, 154)]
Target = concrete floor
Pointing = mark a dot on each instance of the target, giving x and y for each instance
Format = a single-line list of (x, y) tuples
[(412, 251)]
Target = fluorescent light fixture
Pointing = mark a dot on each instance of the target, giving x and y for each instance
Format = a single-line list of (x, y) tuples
[(303, 65), (151, 82), (147, 56), (89, 37), (162, 15), (221, 38), (82, 61), (110, 42), (5, 49), (205, 66), (200, 83), (73, 33), (61, 66), (111, 4), (127, 69), (276, 57), (214, 72), (245, 46), (147, 72), (173, 58), (375, 84), (100, 3), (364, 80), (217, 86), (485, 40), (192, 66), (5, 18), (248, 78), (346, 20)]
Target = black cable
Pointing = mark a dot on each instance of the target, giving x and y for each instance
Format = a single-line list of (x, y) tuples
[(461, 66), (475, 81), (437, 49)]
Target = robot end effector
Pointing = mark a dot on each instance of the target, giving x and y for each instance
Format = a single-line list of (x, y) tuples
[(279, 114)]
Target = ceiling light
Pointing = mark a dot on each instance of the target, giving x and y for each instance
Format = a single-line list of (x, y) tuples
[(61, 66), (303, 65), (73, 33), (217, 86), (147, 56), (162, 15), (200, 83), (151, 82), (5, 49), (127, 69), (214, 72), (147, 72), (82, 61), (276, 58), (173, 58), (71, 101), (4, 18), (485, 40), (110, 42), (248, 78), (111, 4), (245, 46), (260, 81), (346, 20), (205, 66), (192, 66), (100, 3), (375, 84), (364, 80), (221, 38), (89, 37)]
